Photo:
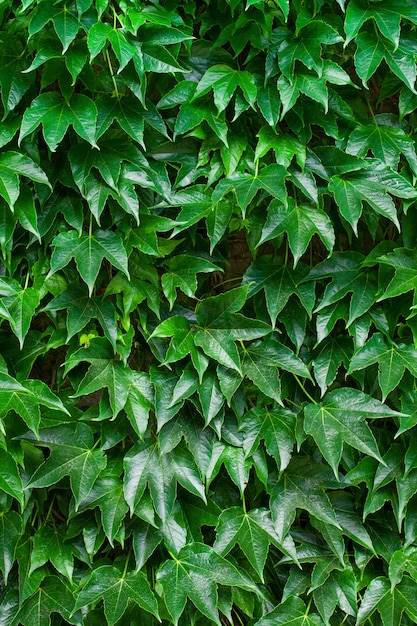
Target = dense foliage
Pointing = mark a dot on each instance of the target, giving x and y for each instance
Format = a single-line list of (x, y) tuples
[(208, 334)]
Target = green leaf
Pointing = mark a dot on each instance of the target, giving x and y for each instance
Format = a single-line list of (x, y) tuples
[(245, 186), (386, 19), (81, 309), (403, 261), (218, 326), (89, 252), (279, 282), (13, 80), (306, 47), (52, 596), (344, 269), (195, 573), (25, 397), (392, 361), (300, 223), (276, 427), (372, 49), (144, 466), (224, 80), (341, 418), (352, 191), (390, 604), (11, 165), (336, 351), (11, 529), (72, 454), (107, 494), (386, 140), (116, 589), (55, 114), (49, 545), (252, 531), (301, 486), (182, 271), (65, 23)]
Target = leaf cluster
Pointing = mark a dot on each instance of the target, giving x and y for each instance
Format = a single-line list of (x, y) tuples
[(208, 338)]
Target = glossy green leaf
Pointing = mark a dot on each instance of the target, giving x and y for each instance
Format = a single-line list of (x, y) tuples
[(116, 589), (73, 455), (341, 418), (196, 573)]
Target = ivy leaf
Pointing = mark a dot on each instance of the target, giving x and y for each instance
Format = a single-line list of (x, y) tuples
[(372, 49), (344, 269), (81, 309), (279, 282), (386, 141), (116, 589), (55, 114), (306, 47), (350, 191), (218, 326), (11, 165), (341, 418), (13, 80), (52, 596), (144, 466), (302, 486), (21, 305), (403, 261), (89, 252), (25, 397), (261, 361), (245, 186), (386, 19), (72, 454), (49, 545), (182, 271), (11, 530), (65, 23), (253, 531), (392, 360), (336, 351), (300, 223), (195, 573), (224, 80), (275, 426), (390, 604), (107, 494)]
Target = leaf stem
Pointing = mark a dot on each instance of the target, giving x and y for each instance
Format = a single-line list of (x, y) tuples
[(127, 562), (116, 91), (305, 390)]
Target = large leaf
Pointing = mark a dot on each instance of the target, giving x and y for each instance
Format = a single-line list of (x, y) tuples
[(341, 418), (144, 466), (116, 589), (392, 360), (72, 454), (252, 531), (195, 573), (279, 282), (89, 252)]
